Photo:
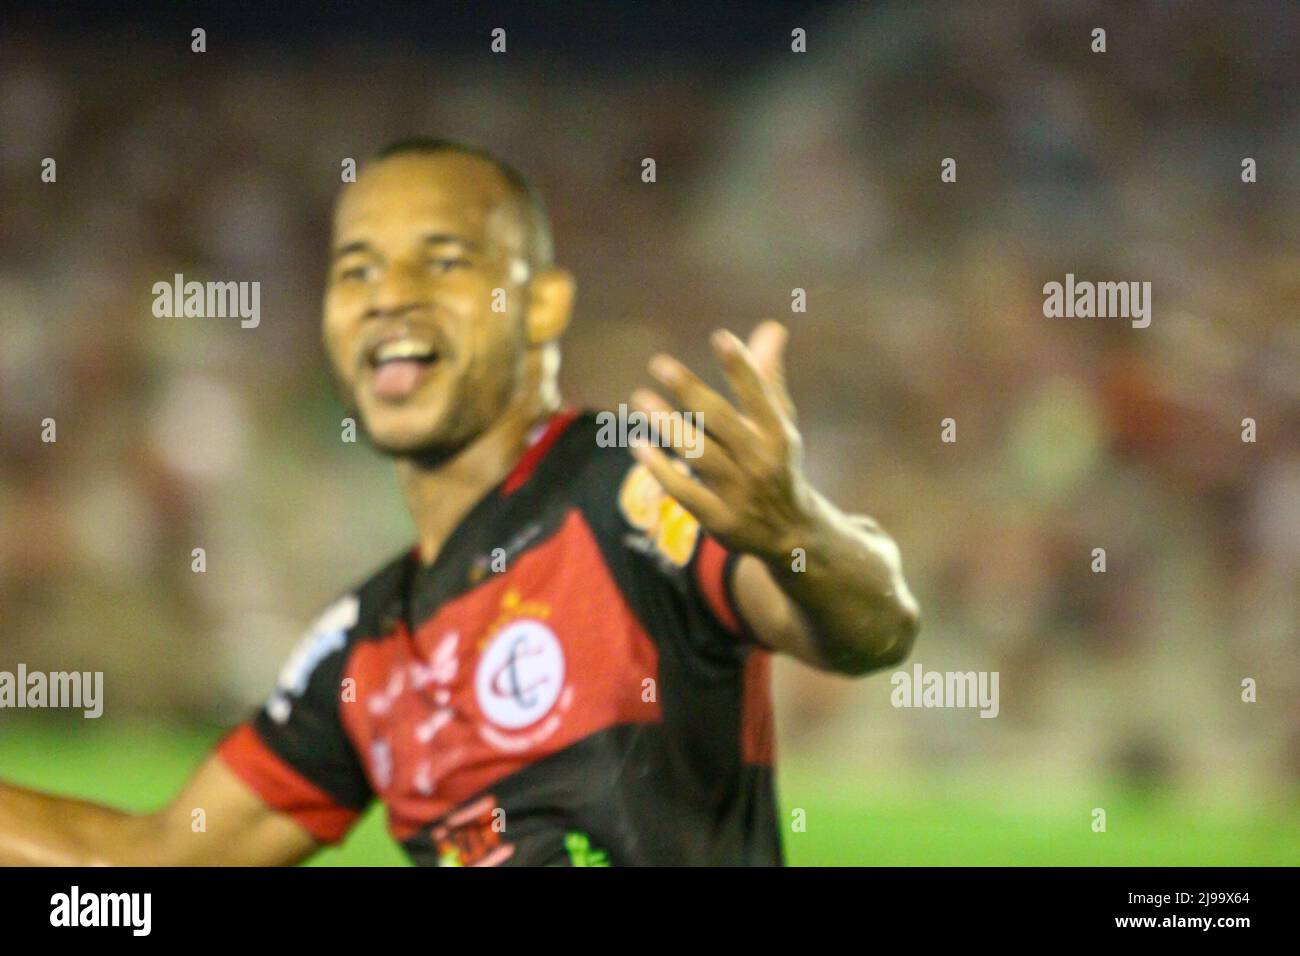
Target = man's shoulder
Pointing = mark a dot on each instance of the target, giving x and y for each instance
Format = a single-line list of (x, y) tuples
[(365, 608), (378, 597), (622, 498), (388, 576), (327, 642), (589, 458)]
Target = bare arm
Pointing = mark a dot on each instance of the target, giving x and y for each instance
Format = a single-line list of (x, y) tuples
[(38, 829), (845, 609)]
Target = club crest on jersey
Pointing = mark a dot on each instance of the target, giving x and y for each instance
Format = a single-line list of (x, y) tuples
[(665, 527), (519, 680)]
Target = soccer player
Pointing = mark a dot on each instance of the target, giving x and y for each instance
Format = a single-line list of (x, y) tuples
[(571, 665)]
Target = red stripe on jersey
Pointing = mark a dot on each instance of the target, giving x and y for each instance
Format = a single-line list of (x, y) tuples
[(282, 788), (756, 736), (710, 573), (537, 450)]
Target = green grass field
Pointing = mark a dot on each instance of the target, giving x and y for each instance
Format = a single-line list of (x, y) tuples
[(952, 821)]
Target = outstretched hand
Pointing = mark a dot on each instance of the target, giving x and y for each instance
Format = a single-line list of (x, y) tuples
[(746, 484)]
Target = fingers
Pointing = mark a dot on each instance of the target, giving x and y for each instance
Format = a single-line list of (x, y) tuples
[(719, 416), (767, 345), (757, 397), (706, 506), (762, 429), (708, 458)]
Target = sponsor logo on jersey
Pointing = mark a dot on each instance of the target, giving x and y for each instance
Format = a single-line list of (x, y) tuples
[(666, 528), (471, 836)]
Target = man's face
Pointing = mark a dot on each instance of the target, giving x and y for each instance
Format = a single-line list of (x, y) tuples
[(420, 243)]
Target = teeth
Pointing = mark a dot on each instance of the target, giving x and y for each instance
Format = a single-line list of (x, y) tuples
[(403, 349)]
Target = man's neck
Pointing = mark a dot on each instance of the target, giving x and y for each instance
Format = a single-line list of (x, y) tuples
[(439, 497)]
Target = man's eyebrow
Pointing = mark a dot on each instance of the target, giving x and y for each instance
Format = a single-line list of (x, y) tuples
[(359, 246), (440, 238), (433, 239)]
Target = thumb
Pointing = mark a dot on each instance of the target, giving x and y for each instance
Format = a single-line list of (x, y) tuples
[(767, 348)]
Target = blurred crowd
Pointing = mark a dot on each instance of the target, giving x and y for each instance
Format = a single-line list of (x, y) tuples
[(818, 171)]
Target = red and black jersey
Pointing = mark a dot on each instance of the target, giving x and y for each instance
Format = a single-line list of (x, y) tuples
[(569, 682)]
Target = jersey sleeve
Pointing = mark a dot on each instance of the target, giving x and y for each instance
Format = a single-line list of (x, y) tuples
[(294, 752), (668, 551)]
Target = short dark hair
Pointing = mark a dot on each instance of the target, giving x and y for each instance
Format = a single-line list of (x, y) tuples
[(537, 224)]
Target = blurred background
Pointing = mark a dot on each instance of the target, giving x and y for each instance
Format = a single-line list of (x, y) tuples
[(776, 170)]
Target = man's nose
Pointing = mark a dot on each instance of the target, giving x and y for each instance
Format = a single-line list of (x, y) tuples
[(400, 288)]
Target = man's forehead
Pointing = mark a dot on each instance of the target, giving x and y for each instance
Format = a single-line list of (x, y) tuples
[(451, 190)]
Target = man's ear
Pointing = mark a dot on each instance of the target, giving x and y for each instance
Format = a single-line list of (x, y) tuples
[(550, 305)]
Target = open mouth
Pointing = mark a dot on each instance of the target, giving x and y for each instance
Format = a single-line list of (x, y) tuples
[(398, 366)]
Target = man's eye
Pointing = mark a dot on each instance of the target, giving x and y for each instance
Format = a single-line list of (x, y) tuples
[(446, 263), (359, 273)]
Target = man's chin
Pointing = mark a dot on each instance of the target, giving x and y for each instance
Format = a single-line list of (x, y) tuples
[(428, 444), (401, 429), (408, 445)]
